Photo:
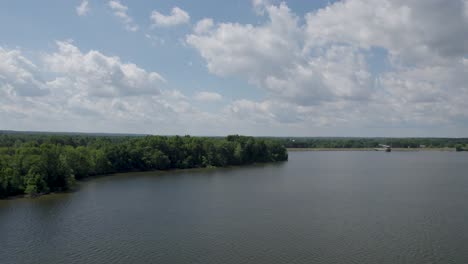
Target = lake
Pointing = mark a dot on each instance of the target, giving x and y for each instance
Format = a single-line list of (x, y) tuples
[(320, 207)]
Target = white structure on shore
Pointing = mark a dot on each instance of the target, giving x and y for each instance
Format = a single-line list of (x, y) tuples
[(383, 147)]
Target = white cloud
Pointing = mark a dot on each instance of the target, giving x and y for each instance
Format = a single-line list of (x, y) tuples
[(203, 26), (336, 73), (18, 75), (177, 17), (319, 72), (83, 9), (316, 74), (271, 57), (208, 97), (430, 94), (99, 75), (260, 6), (120, 11), (414, 31), (91, 91), (245, 50)]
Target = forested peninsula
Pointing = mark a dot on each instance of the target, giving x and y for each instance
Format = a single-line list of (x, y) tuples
[(34, 164)]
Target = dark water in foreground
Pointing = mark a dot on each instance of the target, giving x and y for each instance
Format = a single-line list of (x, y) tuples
[(320, 207)]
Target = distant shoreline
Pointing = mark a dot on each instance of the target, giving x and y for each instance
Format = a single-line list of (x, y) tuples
[(369, 149)]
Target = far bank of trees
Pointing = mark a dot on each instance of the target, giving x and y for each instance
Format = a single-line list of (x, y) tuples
[(35, 164), (301, 142), (460, 147)]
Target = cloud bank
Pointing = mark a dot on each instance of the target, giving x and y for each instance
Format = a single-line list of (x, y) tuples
[(72, 90), (316, 68)]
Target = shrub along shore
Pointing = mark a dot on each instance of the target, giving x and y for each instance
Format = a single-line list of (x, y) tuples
[(34, 164)]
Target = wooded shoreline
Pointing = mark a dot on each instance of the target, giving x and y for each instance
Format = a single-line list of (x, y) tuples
[(41, 164), (156, 173)]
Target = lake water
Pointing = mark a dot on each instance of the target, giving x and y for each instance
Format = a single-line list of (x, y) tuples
[(320, 207)]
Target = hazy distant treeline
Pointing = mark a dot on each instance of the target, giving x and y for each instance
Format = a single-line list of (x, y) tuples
[(372, 142), (40, 163)]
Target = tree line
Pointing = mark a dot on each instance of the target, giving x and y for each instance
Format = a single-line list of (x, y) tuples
[(39, 163), (299, 142)]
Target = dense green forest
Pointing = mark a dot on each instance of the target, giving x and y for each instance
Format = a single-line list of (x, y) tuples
[(40, 163), (459, 143)]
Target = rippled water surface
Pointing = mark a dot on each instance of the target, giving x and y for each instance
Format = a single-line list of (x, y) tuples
[(320, 207)]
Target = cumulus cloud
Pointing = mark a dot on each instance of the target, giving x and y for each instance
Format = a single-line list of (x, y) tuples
[(18, 75), (246, 50), (316, 74), (336, 73), (83, 9), (99, 75), (203, 26), (260, 6), (430, 94), (208, 97), (317, 69), (120, 11), (91, 91), (412, 30), (177, 17)]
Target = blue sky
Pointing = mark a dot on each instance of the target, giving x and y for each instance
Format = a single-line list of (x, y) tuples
[(294, 68)]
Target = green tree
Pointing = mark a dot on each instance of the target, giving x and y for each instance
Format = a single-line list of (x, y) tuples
[(156, 160), (35, 183)]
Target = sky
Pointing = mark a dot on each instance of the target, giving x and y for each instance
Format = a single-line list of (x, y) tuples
[(358, 68)]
